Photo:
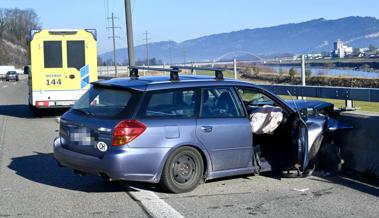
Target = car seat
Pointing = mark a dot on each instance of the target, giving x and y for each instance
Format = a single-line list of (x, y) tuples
[(205, 110), (226, 105)]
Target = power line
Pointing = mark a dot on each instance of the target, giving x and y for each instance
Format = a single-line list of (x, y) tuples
[(146, 39), (113, 27)]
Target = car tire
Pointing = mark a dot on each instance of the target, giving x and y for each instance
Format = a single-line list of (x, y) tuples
[(183, 170)]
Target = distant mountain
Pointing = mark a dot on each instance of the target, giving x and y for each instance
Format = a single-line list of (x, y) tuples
[(306, 37)]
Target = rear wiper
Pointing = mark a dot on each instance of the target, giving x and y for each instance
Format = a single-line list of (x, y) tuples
[(87, 113)]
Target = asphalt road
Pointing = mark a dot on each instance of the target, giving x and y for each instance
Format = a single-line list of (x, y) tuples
[(32, 185)]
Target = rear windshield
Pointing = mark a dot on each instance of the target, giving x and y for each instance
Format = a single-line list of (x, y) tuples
[(104, 102)]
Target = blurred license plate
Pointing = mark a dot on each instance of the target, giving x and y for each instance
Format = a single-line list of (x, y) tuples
[(65, 102)]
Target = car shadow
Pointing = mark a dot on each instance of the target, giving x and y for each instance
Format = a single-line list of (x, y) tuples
[(134, 186), (42, 168), (23, 111)]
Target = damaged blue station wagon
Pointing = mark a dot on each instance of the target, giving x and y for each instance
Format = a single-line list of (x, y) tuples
[(180, 130)]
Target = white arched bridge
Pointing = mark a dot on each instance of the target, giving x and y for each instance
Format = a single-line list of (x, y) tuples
[(234, 54)]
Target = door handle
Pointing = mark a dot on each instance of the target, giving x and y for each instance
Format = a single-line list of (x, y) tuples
[(207, 128)]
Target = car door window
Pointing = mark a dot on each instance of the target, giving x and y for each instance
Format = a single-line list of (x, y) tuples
[(254, 98), (171, 103), (220, 102)]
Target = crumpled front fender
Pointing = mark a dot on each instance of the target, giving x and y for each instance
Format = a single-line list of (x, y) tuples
[(334, 125)]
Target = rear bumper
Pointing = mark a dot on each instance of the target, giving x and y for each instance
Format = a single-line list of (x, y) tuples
[(131, 164), (11, 78), (55, 98)]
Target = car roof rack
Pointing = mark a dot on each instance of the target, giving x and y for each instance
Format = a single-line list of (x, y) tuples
[(174, 72), (218, 71)]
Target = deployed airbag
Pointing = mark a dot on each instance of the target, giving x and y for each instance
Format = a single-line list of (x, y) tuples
[(264, 120)]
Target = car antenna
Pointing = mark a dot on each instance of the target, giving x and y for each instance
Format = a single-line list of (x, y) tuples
[(293, 101)]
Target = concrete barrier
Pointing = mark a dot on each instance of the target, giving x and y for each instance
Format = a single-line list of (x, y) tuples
[(360, 146)]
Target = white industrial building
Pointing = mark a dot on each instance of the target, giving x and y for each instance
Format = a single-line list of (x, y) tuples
[(341, 50)]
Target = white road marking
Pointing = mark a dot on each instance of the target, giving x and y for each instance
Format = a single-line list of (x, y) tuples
[(153, 205), (5, 86)]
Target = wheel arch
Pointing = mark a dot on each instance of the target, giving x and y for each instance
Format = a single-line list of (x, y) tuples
[(204, 155)]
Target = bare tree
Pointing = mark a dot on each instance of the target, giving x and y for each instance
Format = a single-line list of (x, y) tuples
[(2, 22), (15, 25)]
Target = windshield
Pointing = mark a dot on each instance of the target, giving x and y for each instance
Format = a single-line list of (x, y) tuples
[(103, 102)]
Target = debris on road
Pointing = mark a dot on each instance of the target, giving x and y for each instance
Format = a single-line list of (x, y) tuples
[(300, 189)]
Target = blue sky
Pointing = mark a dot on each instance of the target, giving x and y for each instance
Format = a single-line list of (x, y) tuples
[(180, 20)]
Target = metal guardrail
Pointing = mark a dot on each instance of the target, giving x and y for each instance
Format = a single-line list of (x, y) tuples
[(343, 93)]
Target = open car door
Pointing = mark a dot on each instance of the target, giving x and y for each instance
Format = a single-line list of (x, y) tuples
[(300, 142), (308, 137)]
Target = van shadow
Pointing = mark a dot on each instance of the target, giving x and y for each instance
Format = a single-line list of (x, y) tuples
[(23, 111), (42, 168)]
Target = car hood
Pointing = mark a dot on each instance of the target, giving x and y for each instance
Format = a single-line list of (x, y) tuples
[(314, 108), (304, 104)]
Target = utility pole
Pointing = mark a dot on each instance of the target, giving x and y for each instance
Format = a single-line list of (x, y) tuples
[(114, 42), (193, 70), (235, 68), (303, 70), (303, 73), (129, 32), (146, 39)]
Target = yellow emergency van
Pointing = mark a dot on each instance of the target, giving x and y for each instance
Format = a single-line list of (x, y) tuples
[(63, 64)]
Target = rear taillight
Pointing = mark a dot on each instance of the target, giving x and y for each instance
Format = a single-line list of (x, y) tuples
[(126, 131), (42, 103)]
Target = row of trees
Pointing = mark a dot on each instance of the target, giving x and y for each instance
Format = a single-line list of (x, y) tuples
[(291, 73), (109, 62), (15, 25)]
